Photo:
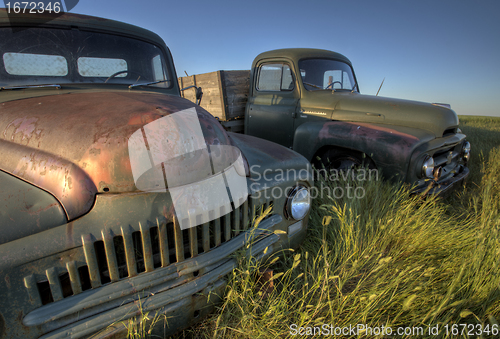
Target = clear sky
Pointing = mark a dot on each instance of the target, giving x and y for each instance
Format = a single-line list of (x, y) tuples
[(444, 51)]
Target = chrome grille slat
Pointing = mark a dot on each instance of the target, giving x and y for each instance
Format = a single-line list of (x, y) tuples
[(74, 277), (91, 258), (146, 248), (55, 284), (129, 251), (179, 243), (217, 232), (236, 223), (109, 246), (245, 215), (30, 284), (193, 241), (206, 237), (227, 226), (164, 251)]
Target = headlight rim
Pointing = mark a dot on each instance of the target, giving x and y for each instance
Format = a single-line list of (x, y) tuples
[(427, 169), (466, 151), (292, 194)]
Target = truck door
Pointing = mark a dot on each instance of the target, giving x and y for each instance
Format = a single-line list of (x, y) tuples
[(272, 105)]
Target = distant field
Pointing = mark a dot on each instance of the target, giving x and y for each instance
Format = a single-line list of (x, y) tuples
[(422, 267)]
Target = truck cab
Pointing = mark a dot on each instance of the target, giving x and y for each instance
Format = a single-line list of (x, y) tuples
[(309, 100)]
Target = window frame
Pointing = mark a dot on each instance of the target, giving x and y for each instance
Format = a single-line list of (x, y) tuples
[(282, 63)]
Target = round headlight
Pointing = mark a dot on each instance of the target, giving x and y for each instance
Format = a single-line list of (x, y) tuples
[(298, 203), (428, 167), (466, 151)]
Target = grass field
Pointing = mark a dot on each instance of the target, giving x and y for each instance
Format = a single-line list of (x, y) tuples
[(428, 268)]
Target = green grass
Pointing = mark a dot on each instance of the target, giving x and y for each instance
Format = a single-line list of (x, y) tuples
[(388, 259)]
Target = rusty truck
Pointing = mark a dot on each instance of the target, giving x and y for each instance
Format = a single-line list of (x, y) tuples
[(309, 100), (119, 198)]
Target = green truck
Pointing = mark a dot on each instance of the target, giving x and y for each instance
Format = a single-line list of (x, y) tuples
[(309, 100), (118, 197)]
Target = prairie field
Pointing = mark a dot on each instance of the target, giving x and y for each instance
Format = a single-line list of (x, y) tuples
[(389, 261)]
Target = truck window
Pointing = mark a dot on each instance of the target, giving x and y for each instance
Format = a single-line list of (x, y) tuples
[(35, 64), (275, 77), (317, 74), (36, 55), (101, 67), (159, 71)]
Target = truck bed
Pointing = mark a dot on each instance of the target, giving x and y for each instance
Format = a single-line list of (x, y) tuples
[(225, 94)]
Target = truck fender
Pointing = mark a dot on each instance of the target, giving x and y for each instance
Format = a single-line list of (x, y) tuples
[(389, 147), (61, 178)]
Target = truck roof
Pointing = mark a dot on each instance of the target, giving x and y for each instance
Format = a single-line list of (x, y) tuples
[(71, 20), (297, 54)]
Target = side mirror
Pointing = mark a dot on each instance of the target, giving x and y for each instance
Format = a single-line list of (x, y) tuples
[(198, 95)]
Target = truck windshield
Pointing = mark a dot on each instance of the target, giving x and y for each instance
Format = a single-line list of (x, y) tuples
[(320, 74), (44, 56)]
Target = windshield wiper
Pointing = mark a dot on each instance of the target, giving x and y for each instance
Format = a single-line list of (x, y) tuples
[(148, 83), (31, 86)]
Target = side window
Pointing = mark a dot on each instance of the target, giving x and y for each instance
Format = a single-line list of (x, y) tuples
[(287, 79), (275, 77), (158, 69)]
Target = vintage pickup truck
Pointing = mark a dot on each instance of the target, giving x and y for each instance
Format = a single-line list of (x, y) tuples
[(309, 100), (118, 197)]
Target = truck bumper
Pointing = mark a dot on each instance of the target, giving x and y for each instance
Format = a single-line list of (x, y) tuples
[(443, 186)]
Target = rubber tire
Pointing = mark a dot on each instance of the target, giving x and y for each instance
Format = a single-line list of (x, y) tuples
[(343, 160)]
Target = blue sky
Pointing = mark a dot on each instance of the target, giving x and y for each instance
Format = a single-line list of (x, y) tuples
[(435, 51)]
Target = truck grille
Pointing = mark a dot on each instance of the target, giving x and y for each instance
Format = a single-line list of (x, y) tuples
[(122, 252)]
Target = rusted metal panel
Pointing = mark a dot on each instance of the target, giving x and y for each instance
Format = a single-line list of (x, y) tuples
[(75, 145)]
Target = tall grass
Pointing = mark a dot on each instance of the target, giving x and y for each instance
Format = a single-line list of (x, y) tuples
[(388, 259)]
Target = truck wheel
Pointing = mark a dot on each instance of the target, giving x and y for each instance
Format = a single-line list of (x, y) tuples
[(343, 161)]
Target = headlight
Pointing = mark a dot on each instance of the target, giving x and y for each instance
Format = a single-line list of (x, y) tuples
[(466, 151), (298, 203), (428, 167)]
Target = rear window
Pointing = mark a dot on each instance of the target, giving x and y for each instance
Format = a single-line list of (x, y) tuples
[(101, 67), (35, 64)]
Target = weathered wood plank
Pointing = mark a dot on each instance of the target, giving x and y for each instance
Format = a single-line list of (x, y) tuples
[(225, 93)]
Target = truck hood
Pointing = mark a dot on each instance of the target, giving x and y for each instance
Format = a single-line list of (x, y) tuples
[(373, 109), (75, 145)]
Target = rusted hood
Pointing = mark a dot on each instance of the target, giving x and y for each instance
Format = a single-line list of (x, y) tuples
[(75, 145), (373, 109)]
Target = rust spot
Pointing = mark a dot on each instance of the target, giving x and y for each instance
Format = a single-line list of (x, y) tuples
[(95, 151), (19, 317), (24, 127), (7, 281)]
